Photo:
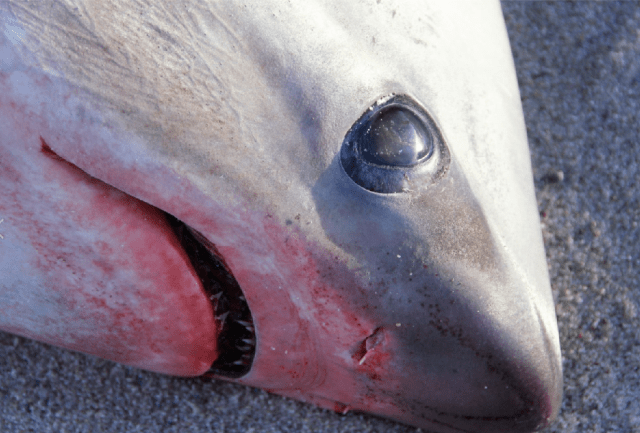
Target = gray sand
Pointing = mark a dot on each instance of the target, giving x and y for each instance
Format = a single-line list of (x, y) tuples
[(579, 71)]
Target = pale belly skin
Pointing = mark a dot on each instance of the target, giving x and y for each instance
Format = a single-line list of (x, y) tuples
[(430, 306)]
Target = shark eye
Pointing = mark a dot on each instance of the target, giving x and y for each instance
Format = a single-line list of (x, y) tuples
[(395, 146), (395, 137)]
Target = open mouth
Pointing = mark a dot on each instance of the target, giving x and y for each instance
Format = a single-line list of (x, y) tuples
[(236, 338)]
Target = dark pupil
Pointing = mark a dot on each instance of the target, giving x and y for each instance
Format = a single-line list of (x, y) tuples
[(395, 137)]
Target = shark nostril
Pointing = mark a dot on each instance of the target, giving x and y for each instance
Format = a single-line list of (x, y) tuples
[(237, 338), (368, 344)]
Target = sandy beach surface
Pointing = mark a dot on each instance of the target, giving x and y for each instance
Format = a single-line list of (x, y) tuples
[(578, 67)]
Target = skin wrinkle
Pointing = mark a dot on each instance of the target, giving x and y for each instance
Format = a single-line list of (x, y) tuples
[(216, 96), (222, 109)]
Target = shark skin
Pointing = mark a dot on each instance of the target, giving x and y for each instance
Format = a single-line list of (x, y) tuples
[(430, 306)]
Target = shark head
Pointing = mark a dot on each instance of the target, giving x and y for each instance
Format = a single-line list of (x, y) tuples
[(333, 202)]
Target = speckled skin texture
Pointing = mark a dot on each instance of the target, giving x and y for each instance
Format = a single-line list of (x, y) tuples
[(577, 66)]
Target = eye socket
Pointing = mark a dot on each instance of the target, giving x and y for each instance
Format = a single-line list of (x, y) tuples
[(395, 146)]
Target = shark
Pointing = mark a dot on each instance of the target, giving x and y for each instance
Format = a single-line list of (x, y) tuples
[(331, 201)]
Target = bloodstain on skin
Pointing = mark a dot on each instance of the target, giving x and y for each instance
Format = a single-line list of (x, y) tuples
[(116, 282)]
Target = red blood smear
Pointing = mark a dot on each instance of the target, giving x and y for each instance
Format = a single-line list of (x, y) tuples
[(105, 274)]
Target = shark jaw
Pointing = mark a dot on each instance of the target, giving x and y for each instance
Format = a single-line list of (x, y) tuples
[(235, 337), (430, 305)]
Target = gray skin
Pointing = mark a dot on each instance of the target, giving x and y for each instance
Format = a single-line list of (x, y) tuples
[(431, 305)]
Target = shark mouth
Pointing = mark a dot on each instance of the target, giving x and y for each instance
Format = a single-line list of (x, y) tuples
[(236, 338)]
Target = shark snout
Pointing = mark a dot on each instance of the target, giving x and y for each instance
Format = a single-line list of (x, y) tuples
[(422, 314), (468, 359)]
